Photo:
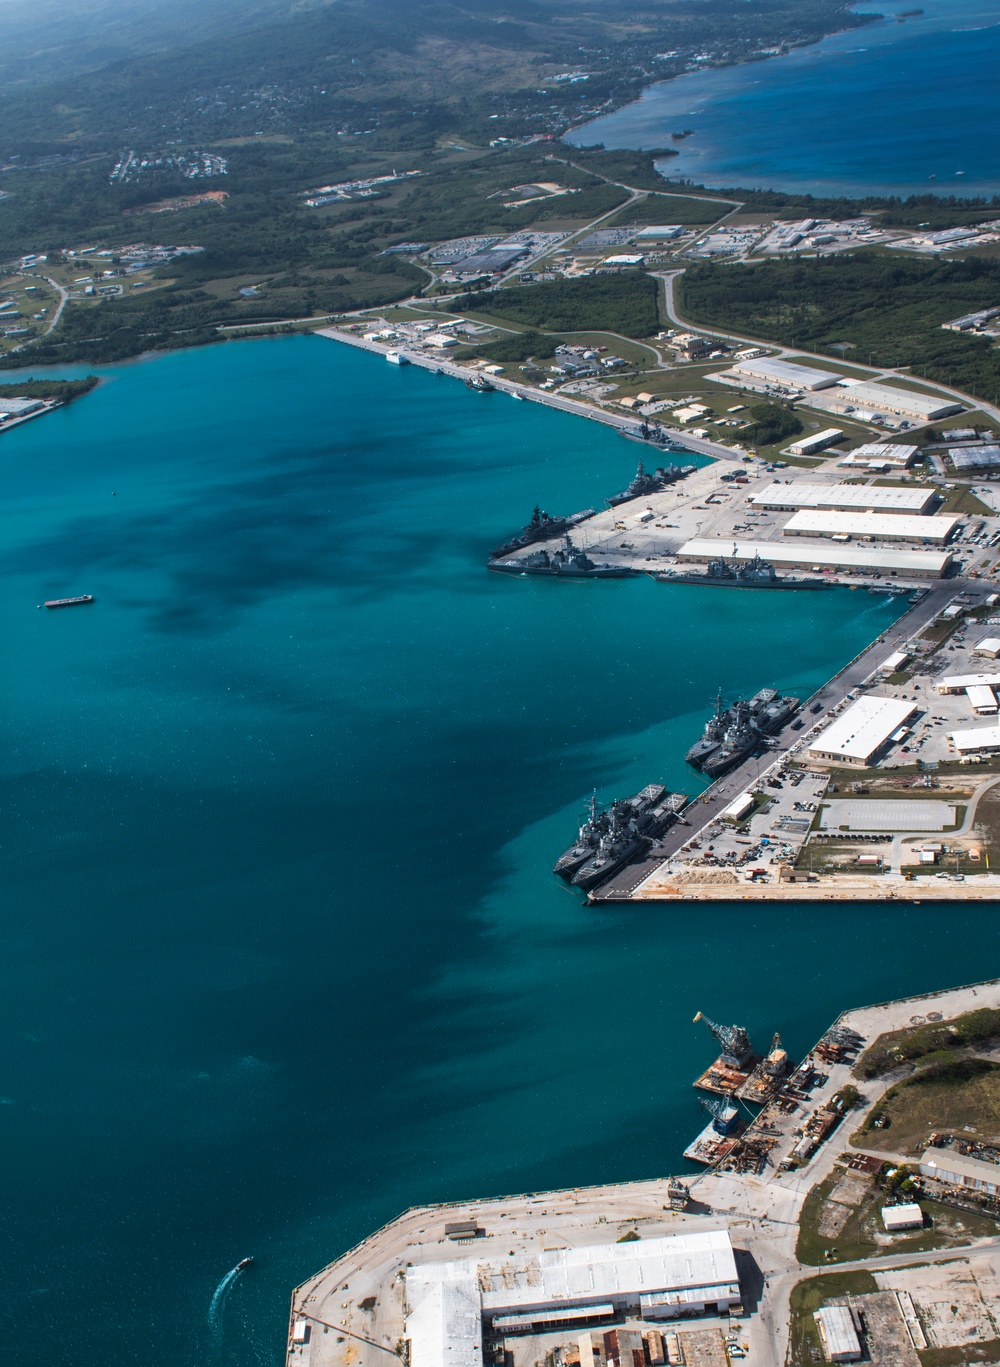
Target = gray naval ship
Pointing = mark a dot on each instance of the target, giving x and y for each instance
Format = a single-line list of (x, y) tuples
[(645, 482), (542, 527), (608, 838), (568, 562), (733, 733), (754, 574)]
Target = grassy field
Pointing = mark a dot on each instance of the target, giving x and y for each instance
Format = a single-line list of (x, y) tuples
[(964, 1095), (976, 1029)]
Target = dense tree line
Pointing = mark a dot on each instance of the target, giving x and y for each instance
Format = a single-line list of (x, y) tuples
[(625, 302), (872, 307)]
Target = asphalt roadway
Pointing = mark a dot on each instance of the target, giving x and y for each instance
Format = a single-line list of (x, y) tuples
[(711, 804)]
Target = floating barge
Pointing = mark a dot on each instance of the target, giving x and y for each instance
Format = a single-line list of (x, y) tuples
[(732, 1070), (720, 1136), (69, 602)]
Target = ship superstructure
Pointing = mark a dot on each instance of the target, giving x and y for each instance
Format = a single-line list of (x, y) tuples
[(733, 733), (646, 482), (609, 837)]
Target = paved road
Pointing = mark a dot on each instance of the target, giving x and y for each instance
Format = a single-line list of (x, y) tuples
[(871, 372), (715, 799), (585, 410)]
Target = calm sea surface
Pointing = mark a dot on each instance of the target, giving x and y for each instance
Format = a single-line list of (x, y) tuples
[(891, 108), (281, 952)]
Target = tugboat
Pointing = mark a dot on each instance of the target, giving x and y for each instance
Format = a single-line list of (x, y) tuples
[(732, 735), (540, 528), (244, 1262), (645, 483), (567, 562), (755, 574)]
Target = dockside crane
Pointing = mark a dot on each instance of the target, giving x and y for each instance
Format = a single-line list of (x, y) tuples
[(734, 1042)]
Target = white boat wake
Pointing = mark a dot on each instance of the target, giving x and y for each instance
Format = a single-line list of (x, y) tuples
[(221, 1295)]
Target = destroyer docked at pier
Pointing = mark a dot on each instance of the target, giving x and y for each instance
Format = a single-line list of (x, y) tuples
[(541, 527), (755, 574), (646, 482), (608, 839), (568, 562), (733, 733)]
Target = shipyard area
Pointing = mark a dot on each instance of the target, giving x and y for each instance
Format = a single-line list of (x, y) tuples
[(816, 1222)]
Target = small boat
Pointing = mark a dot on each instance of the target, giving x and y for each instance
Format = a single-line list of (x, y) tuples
[(69, 602), (245, 1262)]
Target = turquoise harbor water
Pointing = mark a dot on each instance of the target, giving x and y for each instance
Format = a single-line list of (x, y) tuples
[(891, 108), (281, 951)]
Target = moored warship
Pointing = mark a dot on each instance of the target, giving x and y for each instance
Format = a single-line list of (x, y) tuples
[(607, 839), (733, 734), (755, 574), (568, 562), (646, 482), (542, 527)]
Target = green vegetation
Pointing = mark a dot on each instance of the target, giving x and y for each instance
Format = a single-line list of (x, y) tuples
[(804, 1346), (625, 302), (947, 1093), (772, 422), (909, 1046), (524, 346), (64, 390), (886, 310)]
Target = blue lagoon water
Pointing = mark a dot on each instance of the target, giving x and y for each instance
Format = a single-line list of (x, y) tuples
[(890, 108), (281, 951)]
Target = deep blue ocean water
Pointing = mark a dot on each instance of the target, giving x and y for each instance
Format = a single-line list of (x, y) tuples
[(891, 108), (281, 952)]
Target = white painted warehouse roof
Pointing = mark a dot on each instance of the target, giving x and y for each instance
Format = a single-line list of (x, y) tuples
[(929, 563), (887, 399), (909, 1216), (448, 1301), (840, 1337), (960, 683), (975, 739), (949, 1166), (862, 498), (982, 698), (785, 373), (989, 645), (892, 526), (863, 729)]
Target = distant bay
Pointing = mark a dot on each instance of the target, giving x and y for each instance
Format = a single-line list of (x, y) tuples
[(280, 949), (897, 108)]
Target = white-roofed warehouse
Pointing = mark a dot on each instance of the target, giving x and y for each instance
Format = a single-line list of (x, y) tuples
[(846, 498), (836, 1329), (799, 554), (787, 374), (862, 733), (448, 1303), (871, 526)]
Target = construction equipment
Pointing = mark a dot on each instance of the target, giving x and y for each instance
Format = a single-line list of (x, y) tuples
[(734, 1042)]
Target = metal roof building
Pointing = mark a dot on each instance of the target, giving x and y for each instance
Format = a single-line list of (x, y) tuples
[(977, 740), (982, 699), (902, 1217), (767, 370), (796, 554), (871, 526), (448, 1303), (805, 446), (840, 1338), (959, 683), (861, 734), (959, 1171), (884, 398), (974, 457), (845, 498)]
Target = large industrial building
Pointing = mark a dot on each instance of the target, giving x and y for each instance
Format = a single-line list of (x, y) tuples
[(978, 740), (765, 370), (868, 397), (845, 498), (452, 1306), (794, 554), (882, 455), (932, 531), (947, 1165), (862, 734), (985, 457)]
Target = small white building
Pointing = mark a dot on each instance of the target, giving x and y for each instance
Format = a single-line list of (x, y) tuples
[(625, 259), (895, 662), (947, 1165), (862, 734), (805, 446), (982, 700), (738, 808), (989, 646), (837, 1331), (902, 1217)]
